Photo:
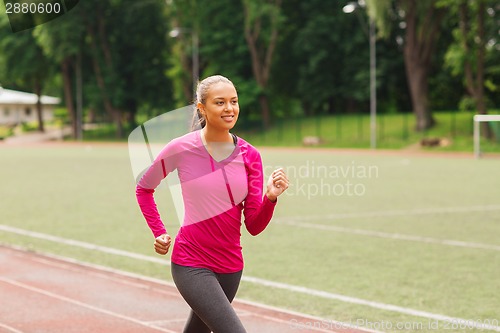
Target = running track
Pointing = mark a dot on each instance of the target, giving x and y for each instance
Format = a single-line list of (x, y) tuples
[(41, 293)]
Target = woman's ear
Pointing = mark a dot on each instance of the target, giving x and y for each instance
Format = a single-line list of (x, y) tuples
[(201, 108)]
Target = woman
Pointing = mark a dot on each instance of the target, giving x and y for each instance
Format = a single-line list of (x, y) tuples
[(221, 175)]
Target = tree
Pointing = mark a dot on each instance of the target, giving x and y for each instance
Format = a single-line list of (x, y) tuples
[(262, 22), (61, 41), (467, 55), (128, 76), (422, 21), (121, 76), (25, 63), (323, 61), (223, 50), (422, 30)]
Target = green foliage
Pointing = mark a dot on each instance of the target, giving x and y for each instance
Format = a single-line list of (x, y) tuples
[(379, 11), (464, 48), (22, 61), (62, 38), (266, 14), (323, 60), (491, 86), (454, 59), (467, 104), (130, 46), (223, 48), (28, 127), (61, 116), (5, 132), (320, 64)]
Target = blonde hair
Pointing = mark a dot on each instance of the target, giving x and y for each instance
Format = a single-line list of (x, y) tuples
[(202, 89)]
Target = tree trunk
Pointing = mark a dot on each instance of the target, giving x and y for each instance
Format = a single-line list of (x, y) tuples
[(68, 94), (331, 105), (421, 38), (131, 115), (113, 112), (264, 108), (39, 110), (307, 109), (351, 106), (419, 88)]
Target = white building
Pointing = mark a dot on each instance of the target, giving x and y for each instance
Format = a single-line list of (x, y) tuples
[(18, 107)]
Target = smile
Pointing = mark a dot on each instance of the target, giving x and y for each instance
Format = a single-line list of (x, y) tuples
[(228, 118)]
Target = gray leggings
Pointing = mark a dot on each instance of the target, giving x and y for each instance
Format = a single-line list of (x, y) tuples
[(209, 295)]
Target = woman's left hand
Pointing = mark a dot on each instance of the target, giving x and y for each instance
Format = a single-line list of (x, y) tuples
[(277, 184)]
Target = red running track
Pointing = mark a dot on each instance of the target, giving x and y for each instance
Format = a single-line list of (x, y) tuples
[(47, 294)]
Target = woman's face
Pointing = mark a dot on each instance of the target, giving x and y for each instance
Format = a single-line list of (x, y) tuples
[(221, 107)]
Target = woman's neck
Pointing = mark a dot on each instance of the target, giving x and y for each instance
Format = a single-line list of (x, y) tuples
[(212, 135)]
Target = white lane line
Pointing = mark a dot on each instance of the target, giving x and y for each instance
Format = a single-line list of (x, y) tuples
[(84, 245), (278, 285), (100, 275), (396, 236), (78, 303), (9, 328), (377, 305), (388, 213)]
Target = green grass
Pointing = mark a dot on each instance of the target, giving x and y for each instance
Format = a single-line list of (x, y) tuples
[(86, 192)]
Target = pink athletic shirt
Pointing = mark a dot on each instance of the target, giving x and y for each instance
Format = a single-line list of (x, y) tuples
[(214, 195)]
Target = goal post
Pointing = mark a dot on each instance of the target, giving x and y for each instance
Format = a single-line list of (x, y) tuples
[(478, 118)]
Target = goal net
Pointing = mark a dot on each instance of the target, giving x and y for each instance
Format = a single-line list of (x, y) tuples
[(479, 118)]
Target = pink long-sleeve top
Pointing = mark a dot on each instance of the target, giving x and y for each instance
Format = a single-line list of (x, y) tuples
[(214, 195)]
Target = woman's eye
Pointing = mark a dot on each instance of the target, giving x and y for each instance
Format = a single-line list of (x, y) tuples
[(234, 102), (220, 103)]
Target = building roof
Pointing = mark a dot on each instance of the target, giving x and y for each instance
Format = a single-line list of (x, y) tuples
[(9, 97)]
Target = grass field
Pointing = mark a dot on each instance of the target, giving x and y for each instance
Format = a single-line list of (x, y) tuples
[(383, 240)]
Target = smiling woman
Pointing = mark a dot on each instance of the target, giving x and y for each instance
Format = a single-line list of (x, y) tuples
[(221, 177), (221, 103), (217, 106)]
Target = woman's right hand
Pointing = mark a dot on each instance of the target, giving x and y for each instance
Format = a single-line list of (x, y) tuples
[(162, 244)]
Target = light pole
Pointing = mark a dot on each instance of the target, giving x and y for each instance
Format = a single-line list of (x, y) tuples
[(174, 33), (349, 8)]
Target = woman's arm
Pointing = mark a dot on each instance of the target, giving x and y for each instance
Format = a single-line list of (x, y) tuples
[(147, 204), (159, 169), (258, 209)]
